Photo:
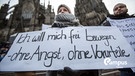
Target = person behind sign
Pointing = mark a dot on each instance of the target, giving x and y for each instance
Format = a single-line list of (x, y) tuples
[(120, 11), (65, 18)]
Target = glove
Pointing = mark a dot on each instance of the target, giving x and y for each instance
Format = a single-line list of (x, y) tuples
[(68, 72), (58, 24)]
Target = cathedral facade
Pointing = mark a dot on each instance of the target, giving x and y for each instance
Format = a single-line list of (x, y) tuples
[(28, 15), (90, 12)]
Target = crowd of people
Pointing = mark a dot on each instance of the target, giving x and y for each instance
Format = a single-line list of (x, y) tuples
[(65, 18)]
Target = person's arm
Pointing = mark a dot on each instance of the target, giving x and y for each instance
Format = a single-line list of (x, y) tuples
[(106, 23)]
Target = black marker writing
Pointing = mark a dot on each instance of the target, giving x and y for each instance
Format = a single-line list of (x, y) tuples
[(23, 38), (47, 56), (73, 36), (99, 38), (20, 56), (78, 54), (39, 37), (118, 52), (59, 36)]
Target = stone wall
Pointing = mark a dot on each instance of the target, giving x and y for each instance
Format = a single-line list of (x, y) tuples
[(28, 15), (90, 12)]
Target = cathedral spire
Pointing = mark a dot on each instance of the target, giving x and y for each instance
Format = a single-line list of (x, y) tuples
[(44, 3), (48, 2), (9, 2)]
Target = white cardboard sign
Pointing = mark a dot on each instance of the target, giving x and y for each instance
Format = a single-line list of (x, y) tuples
[(127, 27), (75, 47)]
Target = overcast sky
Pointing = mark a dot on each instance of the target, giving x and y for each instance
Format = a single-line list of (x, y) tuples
[(71, 3)]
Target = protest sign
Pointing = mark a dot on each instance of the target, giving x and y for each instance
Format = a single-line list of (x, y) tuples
[(75, 47), (127, 27)]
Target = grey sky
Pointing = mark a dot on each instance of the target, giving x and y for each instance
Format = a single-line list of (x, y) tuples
[(71, 3)]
